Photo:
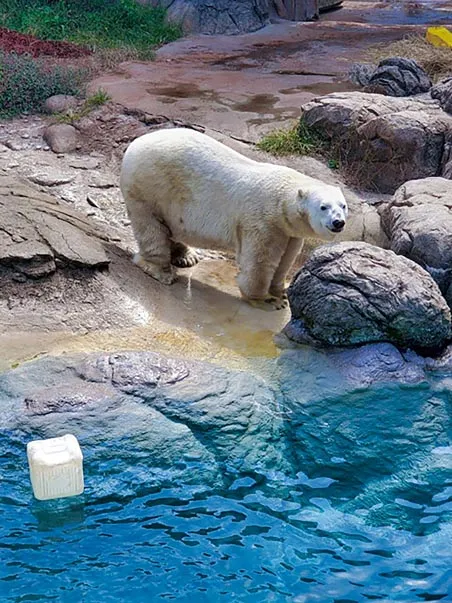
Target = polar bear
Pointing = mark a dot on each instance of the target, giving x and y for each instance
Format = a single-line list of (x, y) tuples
[(183, 188)]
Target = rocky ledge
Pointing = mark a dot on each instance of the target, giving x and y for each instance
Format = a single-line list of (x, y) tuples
[(38, 233)]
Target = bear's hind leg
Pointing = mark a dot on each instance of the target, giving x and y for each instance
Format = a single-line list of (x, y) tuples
[(154, 244), (183, 256)]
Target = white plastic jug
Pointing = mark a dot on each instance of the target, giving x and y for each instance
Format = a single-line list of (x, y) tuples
[(56, 467)]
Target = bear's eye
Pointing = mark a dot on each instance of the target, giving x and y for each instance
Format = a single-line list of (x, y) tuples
[(323, 207), (343, 206)]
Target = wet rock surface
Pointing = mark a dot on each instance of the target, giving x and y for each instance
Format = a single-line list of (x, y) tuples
[(418, 222), (192, 420), (354, 293), (398, 76), (383, 141), (178, 410)]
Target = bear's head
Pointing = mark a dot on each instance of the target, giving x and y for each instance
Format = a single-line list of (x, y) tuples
[(326, 209)]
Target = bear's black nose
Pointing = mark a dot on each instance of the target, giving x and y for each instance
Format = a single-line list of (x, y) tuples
[(338, 224)]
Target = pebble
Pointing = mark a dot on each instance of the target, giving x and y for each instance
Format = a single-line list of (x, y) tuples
[(84, 163), (25, 135)]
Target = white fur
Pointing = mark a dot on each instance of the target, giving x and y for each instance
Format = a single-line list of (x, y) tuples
[(181, 186)]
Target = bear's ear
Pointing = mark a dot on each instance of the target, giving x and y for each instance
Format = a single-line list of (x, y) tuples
[(302, 195)]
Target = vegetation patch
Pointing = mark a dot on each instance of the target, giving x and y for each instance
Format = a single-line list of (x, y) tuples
[(436, 61), (107, 24), (26, 82), (300, 139), (94, 101)]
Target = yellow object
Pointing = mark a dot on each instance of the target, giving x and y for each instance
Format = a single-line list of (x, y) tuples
[(439, 36)]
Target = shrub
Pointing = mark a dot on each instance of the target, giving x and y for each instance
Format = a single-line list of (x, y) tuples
[(25, 83)]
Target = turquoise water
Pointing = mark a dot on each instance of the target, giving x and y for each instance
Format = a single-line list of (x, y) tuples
[(365, 517)]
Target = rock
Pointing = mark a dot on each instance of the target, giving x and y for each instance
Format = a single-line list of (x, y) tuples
[(355, 293), (220, 17), (84, 163), (399, 76), (52, 178), (442, 91), (382, 141), (418, 222), (360, 73), (173, 409), (60, 103), (14, 145), (62, 138), (37, 233), (446, 165), (101, 181)]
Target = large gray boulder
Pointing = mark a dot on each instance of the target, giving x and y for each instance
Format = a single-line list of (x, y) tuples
[(418, 223), (220, 17), (382, 141), (354, 293), (398, 76)]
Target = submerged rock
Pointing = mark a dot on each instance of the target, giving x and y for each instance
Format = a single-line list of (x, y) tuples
[(354, 293)]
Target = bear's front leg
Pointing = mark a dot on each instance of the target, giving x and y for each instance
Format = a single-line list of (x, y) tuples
[(278, 284), (258, 258)]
